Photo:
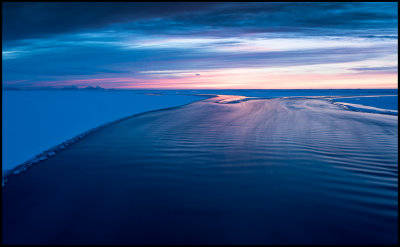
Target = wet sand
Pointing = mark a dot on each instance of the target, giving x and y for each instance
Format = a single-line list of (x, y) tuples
[(265, 171)]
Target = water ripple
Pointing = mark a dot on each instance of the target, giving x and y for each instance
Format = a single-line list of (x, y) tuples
[(259, 171)]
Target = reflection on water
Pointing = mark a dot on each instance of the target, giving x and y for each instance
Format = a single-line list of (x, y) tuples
[(275, 171)]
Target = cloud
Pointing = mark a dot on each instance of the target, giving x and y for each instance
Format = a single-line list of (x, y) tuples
[(384, 69), (35, 20), (150, 43)]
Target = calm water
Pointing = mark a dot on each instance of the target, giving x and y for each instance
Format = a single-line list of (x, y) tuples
[(382, 102), (269, 171)]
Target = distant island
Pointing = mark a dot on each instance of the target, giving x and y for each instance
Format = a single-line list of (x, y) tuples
[(67, 88)]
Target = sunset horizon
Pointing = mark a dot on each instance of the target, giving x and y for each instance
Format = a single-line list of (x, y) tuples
[(200, 123)]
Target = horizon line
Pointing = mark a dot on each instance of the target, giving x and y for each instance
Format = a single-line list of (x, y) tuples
[(101, 88)]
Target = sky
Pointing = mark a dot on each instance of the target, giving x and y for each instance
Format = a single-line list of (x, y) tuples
[(200, 45)]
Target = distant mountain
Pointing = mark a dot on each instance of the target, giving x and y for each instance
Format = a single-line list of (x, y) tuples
[(10, 88), (72, 87), (67, 88), (92, 88)]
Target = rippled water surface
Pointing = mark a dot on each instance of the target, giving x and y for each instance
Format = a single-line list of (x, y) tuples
[(270, 171)]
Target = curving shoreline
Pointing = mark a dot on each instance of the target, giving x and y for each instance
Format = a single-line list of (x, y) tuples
[(52, 151)]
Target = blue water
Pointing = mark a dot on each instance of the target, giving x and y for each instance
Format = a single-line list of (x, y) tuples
[(389, 101), (34, 121), (383, 102), (265, 171), (274, 93)]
